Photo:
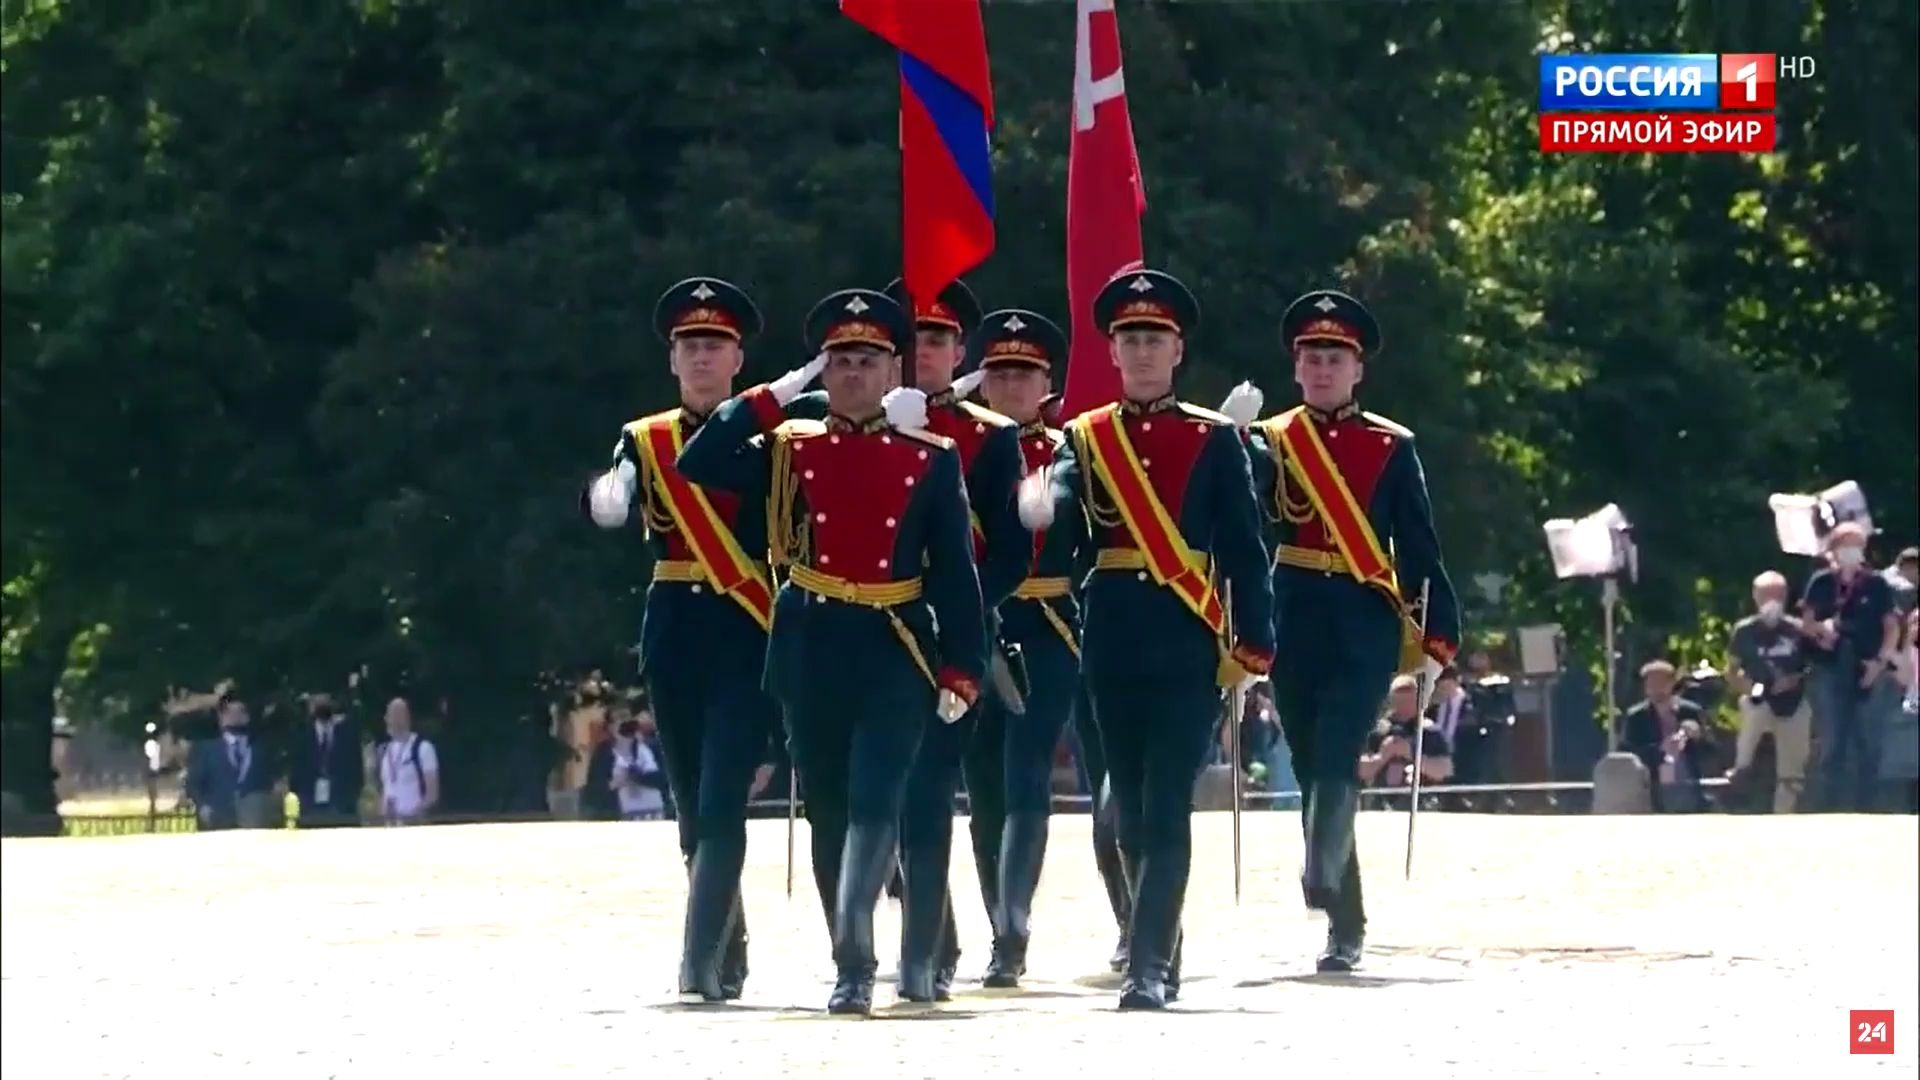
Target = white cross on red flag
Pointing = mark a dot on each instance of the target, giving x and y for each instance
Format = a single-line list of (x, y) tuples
[(1105, 198)]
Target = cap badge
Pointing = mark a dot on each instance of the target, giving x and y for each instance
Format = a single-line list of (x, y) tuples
[(1141, 284), (1014, 325), (702, 292), (1326, 303), (856, 305)]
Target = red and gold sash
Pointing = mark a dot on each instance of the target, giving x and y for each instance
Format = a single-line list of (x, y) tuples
[(1313, 467), (1171, 562), (709, 538)]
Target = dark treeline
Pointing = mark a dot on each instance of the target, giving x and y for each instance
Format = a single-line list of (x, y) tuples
[(315, 316)]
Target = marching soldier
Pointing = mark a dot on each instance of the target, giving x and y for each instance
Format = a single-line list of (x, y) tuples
[(706, 616), (1178, 605), (1344, 489), (1092, 763), (1010, 761), (991, 463), (879, 621)]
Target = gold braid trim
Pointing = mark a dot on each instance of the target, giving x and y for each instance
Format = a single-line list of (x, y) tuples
[(784, 542)]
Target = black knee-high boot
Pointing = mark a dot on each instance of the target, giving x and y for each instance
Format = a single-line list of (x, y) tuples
[(1113, 873), (713, 901), (924, 913), (1023, 849), (868, 857)]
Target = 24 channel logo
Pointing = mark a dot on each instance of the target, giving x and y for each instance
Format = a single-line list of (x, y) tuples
[(1662, 102)]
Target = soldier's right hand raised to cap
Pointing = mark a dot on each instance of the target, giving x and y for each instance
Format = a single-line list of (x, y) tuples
[(787, 387), (1035, 499)]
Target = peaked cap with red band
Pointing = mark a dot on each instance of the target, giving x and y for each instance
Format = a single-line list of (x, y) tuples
[(954, 309), (705, 306), (1017, 336), (858, 317), (1330, 317), (1146, 299)]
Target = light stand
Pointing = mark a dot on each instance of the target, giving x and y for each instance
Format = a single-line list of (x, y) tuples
[(1609, 600), (1599, 545)]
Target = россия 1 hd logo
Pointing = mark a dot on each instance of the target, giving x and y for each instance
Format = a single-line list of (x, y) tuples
[(1662, 102)]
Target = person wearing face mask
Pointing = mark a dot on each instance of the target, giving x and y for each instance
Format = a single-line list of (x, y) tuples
[(1769, 672), (229, 776), (1848, 615)]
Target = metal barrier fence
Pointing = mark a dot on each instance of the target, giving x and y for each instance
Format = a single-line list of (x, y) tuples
[(1555, 797)]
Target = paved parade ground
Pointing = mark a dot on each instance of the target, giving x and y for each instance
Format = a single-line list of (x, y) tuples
[(1549, 946)]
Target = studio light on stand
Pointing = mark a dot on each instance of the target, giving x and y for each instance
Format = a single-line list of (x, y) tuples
[(1599, 545), (1802, 522)]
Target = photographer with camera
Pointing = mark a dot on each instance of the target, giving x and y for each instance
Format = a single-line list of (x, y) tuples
[(1666, 732), (637, 779), (1847, 613), (1769, 669)]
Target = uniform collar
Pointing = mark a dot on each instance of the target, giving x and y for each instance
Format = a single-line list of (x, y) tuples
[(1325, 416), (1130, 407), (945, 399), (691, 419), (836, 422)]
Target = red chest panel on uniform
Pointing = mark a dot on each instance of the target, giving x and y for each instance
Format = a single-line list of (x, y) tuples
[(1168, 444), (1361, 451), (857, 487), (968, 433)]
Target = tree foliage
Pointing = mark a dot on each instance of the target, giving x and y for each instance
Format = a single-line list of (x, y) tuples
[(315, 318)]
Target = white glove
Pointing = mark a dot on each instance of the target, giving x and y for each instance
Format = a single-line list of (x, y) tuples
[(788, 386), (965, 385), (1430, 670), (906, 407), (952, 707), (610, 495), (1035, 499), (1243, 404)]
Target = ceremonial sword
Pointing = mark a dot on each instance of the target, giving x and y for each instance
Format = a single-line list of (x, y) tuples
[(1419, 728), (1233, 745)]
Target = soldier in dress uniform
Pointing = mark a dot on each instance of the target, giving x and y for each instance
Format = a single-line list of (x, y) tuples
[(1092, 763), (1178, 605), (706, 618), (1355, 544), (867, 517), (1010, 761), (991, 462)]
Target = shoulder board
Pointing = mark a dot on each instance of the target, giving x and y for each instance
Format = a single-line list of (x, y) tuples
[(985, 415), (1386, 425), (666, 416), (800, 429), (1208, 415), (925, 436)]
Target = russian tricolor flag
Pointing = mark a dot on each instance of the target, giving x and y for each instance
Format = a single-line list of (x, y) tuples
[(946, 114)]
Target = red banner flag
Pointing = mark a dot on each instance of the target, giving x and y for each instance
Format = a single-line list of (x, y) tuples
[(946, 113), (1105, 198)]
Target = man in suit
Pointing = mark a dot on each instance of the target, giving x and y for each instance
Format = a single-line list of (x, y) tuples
[(325, 769), (229, 779)]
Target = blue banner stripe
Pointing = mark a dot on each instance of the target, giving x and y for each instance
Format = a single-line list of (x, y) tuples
[(962, 124)]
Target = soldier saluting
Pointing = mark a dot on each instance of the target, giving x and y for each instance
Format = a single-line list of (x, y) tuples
[(1356, 548), (706, 617), (1179, 602), (1010, 763), (991, 465), (867, 518)]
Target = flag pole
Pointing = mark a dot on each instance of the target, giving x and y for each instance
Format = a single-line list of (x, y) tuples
[(909, 375)]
